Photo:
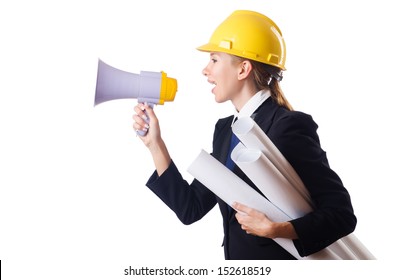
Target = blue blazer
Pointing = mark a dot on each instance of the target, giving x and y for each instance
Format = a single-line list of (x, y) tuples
[(295, 135)]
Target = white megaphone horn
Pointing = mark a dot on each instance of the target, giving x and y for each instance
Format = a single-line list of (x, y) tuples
[(150, 87)]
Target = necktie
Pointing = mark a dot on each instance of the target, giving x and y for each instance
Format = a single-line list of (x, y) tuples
[(229, 163), (234, 141)]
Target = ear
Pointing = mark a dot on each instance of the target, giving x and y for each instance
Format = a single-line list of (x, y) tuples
[(245, 68)]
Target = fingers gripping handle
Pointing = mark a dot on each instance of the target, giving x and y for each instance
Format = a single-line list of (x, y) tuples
[(147, 121)]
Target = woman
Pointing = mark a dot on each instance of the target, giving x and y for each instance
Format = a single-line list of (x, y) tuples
[(247, 57)]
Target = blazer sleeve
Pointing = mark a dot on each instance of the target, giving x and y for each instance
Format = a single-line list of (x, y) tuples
[(190, 202), (296, 137)]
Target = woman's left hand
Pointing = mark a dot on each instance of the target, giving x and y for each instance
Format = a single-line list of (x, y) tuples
[(253, 221)]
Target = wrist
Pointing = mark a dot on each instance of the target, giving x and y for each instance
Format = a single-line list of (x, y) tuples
[(283, 230), (156, 146), (160, 156)]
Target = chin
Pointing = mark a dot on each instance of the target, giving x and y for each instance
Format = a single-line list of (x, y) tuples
[(218, 100)]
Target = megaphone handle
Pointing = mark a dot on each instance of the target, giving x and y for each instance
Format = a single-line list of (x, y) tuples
[(147, 120)]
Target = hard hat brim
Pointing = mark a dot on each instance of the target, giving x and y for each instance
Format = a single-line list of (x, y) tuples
[(211, 48)]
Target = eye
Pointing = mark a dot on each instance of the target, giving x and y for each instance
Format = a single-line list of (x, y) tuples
[(214, 60)]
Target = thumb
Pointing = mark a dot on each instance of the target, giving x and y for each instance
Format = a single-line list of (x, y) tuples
[(238, 206)]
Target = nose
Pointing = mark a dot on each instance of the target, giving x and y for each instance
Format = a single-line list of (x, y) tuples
[(204, 71)]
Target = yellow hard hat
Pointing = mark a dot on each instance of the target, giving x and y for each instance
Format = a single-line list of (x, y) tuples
[(250, 35)]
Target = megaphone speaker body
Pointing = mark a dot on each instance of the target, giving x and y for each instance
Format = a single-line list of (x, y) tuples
[(150, 87)]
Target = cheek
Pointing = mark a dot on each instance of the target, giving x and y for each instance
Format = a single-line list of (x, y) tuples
[(231, 85)]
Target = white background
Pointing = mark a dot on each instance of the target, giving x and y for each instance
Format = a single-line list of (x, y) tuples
[(73, 204)]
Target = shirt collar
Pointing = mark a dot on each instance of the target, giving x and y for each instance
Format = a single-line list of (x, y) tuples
[(252, 104)]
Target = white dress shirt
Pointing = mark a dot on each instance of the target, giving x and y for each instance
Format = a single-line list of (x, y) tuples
[(252, 104)]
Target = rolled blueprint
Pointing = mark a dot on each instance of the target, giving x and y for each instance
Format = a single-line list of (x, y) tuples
[(262, 172), (253, 137), (230, 188), (270, 181), (280, 182), (357, 247)]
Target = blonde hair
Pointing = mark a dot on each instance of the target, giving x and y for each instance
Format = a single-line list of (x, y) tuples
[(263, 79), (265, 76)]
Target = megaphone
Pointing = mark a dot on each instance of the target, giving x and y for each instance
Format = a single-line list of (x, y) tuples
[(147, 87)]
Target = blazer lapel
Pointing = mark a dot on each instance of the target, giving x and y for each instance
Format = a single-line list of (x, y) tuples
[(223, 140), (264, 114)]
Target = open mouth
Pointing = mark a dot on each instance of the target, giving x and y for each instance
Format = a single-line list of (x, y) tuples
[(212, 83)]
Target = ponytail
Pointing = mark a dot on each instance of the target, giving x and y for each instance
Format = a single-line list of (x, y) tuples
[(278, 95), (269, 76)]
